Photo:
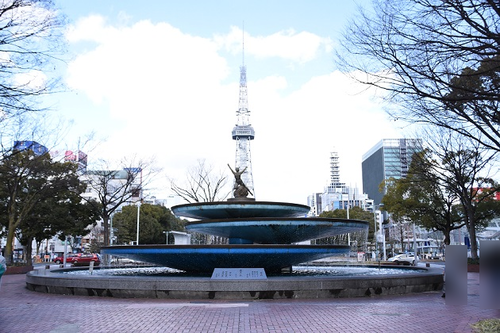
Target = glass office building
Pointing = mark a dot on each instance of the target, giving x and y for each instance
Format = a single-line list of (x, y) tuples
[(388, 158)]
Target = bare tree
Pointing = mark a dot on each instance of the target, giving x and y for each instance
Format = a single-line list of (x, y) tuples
[(202, 184), (439, 61), (466, 168), (30, 38), (109, 188)]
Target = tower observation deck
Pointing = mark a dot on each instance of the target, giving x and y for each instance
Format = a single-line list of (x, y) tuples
[(243, 133)]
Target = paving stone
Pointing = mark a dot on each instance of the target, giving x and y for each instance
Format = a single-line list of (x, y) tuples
[(25, 311)]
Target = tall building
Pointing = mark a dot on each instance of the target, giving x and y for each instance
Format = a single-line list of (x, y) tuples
[(243, 133), (388, 158), (335, 184), (336, 195), (314, 201)]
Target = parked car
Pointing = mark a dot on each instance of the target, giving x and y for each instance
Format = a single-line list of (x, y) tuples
[(119, 261), (70, 258), (404, 258), (86, 259)]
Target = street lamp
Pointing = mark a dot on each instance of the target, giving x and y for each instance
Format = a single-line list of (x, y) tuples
[(415, 248), (111, 229), (138, 214), (381, 234), (375, 231), (383, 240)]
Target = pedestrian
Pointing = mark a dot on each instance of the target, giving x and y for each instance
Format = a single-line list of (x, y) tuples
[(3, 268)]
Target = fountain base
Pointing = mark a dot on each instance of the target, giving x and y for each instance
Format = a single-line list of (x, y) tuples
[(274, 287)]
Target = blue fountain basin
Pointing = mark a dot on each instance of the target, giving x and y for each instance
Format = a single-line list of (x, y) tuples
[(240, 209), (277, 230), (204, 258)]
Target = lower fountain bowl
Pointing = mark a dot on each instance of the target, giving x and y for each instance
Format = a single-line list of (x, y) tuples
[(204, 258)]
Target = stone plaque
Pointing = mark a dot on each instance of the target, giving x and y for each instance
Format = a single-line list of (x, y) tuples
[(239, 274)]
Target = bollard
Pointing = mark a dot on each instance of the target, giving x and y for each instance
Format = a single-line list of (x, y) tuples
[(427, 264)]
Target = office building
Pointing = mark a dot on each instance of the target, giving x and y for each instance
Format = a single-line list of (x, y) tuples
[(390, 158)]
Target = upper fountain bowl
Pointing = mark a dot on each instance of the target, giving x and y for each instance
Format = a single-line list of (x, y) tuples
[(240, 209)]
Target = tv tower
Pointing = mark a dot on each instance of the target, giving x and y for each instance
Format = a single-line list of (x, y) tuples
[(243, 132)]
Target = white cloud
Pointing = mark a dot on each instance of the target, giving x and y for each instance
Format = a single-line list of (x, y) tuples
[(296, 133), (90, 28), (164, 89), (299, 47)]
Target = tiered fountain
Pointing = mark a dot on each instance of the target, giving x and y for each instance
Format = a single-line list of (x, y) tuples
[(261, 235)]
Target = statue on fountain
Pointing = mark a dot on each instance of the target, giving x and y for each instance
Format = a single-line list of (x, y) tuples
[(241, 191)]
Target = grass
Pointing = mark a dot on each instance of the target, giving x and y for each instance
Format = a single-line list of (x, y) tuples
[(487, 326)]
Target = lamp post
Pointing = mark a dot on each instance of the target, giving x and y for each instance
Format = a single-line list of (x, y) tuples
[(111, 229), (375, 231), (138, 214), (381, 231), (415, 248), (166, 236)]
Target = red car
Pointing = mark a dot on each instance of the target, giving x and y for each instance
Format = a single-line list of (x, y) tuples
[(86, 259), (70, 258)]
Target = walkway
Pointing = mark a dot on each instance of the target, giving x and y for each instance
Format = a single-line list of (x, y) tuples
[(26, 312)]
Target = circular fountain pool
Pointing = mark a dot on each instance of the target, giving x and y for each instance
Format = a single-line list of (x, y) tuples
[(317, 283), (297, 271), (261, 236)]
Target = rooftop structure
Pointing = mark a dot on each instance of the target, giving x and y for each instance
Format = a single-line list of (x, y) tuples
[(336, 195)]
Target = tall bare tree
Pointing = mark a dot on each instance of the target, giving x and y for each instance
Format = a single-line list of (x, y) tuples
[(439, 61), (467, 169), (449, 185), (202, 184), (109, 188), (30, 39), (30, 44)]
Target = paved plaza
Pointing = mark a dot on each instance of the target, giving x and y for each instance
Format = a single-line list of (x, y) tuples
[(25, 311)]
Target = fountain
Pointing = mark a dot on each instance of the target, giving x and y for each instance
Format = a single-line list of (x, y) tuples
[(262, 237)]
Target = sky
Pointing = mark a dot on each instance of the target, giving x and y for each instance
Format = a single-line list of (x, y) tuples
[(160, 79)]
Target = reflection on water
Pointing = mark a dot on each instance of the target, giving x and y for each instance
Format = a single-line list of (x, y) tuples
[(308, 271)]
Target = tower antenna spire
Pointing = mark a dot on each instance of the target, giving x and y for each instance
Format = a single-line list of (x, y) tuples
[(243, 45)]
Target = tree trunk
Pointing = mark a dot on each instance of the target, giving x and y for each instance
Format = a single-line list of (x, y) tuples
[(446, 233), (473, 241), (28, 252), (106, 230), (471, 227), (8, 251)]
